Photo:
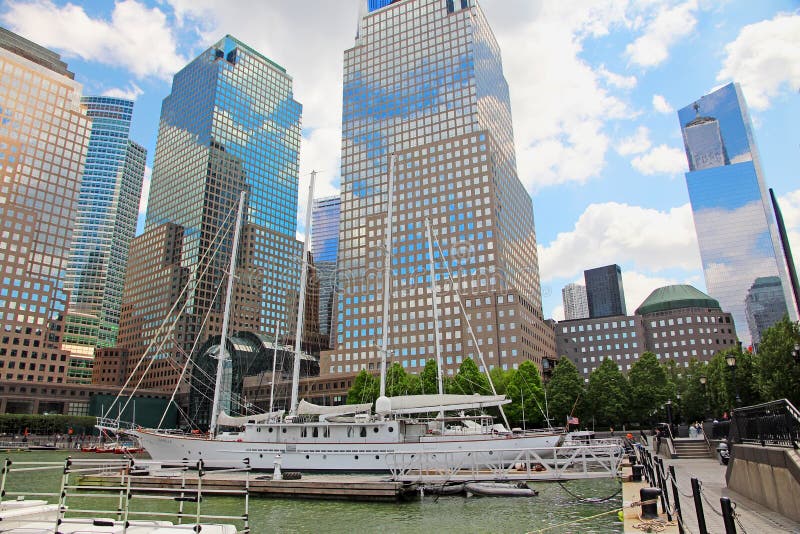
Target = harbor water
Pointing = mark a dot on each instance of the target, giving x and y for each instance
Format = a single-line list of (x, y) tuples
[(556, 508)]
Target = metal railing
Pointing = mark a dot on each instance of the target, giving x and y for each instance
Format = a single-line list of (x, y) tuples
[(775, 423), (120, 485)]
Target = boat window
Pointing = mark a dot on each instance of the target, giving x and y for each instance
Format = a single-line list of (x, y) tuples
[(375, 429), (391, 429), (315, 432), (349, 431), (258, 430), (270, 429), (363, 432), (327, 432), (283, 430), (303, 432)]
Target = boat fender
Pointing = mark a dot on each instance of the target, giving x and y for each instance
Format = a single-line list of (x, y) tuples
[(239, 440)]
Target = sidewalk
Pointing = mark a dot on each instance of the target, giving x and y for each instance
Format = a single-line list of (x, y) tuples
[(753, 517)]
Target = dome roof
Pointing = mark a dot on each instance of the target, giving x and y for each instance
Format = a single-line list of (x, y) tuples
[(674, 298)]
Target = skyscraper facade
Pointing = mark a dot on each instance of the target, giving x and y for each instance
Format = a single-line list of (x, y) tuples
[(325, 247), (44, 135), (576, 305), (765, 305), (605, 295), (108, 206), (735, 224), (424, 81), (230, 124)]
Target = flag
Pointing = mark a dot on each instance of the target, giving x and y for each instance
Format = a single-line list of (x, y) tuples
[(572, 420)]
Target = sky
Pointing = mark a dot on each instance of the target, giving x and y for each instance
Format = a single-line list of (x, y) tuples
[(594, 86)]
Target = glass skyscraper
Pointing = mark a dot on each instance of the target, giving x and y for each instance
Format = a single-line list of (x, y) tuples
[(605, 295), (44, 135), (231, 123), (735, 224), (325, 247), (576, 305), (108, 206), (424, 81)]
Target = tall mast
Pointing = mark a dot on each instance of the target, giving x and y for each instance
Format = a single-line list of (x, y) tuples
[(222, 356), (301, 305), (274, 357), (387, 275), (437, 334)]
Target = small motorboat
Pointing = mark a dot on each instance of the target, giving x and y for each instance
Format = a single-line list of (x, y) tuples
[(444, 489), (499, 489)]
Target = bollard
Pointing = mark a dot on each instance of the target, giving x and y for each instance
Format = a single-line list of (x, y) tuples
[(276, 468), (727, 515), (637, 473), (698, 506), (649, 510)]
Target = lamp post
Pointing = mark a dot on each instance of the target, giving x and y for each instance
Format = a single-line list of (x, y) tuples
[(731, 361), (668, 407), (704, 383), (796, 353)]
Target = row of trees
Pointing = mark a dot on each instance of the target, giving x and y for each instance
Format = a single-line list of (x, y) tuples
[(701, 390)]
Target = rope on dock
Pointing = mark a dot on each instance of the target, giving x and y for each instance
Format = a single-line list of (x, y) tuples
[(590, 499), (613, 511)]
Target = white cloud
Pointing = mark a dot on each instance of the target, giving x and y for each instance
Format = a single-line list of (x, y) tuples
[(790, 209), (638, 286), (136, 38), (648, 239), (131, 93), (661, 105), (148, 172), (617, 80), (670, 24), (635, 144), (558, 313), (662, 159), (765, 59)]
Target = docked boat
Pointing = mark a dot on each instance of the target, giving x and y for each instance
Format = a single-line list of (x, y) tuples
[(499, 489), (345, 438)]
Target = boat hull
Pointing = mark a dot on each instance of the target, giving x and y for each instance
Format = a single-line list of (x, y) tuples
[(342, 456)]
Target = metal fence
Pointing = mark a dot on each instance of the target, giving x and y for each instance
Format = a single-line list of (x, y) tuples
[(775, 423)]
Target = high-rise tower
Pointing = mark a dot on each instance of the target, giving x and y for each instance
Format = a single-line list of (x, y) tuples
[(733, 217), (604, 292), (230, 124), (44, 134), (576, 305), (325, 247), (424, 81), (108, 206)]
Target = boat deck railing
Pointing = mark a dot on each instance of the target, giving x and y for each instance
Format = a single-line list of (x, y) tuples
[(122, 488), (555, 463)]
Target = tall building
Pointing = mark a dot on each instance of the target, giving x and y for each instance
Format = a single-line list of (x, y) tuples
[(44, 135), (108, 206), (230, 124), (733, 217), (764, 305), (424, 81), (325, 247), (604, 293), (576, 305), (677, 323)]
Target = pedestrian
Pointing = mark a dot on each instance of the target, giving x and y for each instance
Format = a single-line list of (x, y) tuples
[(692, 431)]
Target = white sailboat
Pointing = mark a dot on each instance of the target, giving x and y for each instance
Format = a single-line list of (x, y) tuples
[(346, 438)]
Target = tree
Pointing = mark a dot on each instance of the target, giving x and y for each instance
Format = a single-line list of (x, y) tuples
[(525, 390), (721, 385), (429, 380), (649, 387), (500, 379), (397, 381), (469, 380), (778, 375), (608, 394), (694, 399), (564, 390), (365, 388)]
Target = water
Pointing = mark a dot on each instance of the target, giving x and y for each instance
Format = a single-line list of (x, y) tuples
[(553, 507)]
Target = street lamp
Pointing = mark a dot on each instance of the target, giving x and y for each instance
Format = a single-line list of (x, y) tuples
[(668, 407), (730, 359), (796, 353), (704, 383)]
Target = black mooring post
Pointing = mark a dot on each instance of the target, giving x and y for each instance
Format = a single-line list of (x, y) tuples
[(727, 515), (698, 506), (676, 498), (662, 483)]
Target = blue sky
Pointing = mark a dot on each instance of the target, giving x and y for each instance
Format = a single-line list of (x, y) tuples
[(595, 86)]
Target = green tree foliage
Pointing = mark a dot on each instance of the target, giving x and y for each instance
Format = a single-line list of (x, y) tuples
[(722, 386), (365, 388), (608, 395), (500, 379), (649, 388), (397, 381), (469, 380), (693, 404), (778, 375), (525, 390), (429, 381), (564, 389)]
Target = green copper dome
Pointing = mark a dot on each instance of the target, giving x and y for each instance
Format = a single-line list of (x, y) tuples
[(674, 298)]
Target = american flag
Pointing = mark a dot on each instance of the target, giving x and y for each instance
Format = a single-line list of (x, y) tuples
[(572, 420)]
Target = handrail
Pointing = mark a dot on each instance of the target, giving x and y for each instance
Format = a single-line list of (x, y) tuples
[(775, 423)]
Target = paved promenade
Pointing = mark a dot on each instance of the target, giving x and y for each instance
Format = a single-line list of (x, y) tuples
[(753, 517)]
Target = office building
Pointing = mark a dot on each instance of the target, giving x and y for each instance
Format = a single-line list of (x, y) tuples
[(576, 305), (325, 247), (604, 293), (674, 322), (108, 206), (230, 124), (734, 220), (424, 81), (765, 305), (44, 135)]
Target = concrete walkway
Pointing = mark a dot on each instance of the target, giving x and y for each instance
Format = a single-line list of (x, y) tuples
[(753, 517)]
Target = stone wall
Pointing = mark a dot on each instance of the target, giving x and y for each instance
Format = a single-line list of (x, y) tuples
[(769, 476)]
